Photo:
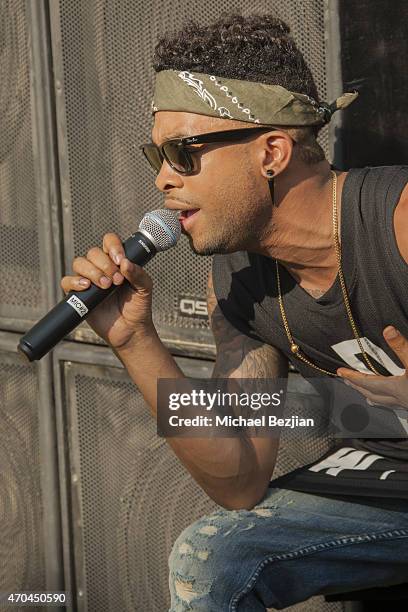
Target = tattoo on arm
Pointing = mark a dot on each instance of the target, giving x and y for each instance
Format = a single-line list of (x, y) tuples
[(239, 355)]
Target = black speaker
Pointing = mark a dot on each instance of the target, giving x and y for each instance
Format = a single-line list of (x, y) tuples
[(30, 259), (22, 297), (127, 495), (30, 534)]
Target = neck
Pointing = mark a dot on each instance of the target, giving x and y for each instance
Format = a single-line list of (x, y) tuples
[(301, 237)]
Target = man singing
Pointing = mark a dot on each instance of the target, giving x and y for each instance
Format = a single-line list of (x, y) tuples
[(310, 265)]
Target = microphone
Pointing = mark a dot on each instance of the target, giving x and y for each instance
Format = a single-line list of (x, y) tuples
[(159, 230)]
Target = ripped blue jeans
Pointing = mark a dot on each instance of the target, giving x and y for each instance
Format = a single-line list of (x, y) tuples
[(288, 548)]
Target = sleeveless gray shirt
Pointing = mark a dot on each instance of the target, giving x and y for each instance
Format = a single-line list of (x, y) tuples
[(376, 278)]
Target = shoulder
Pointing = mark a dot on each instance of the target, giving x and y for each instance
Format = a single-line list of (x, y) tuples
[(392, 181), (383, 201), (387, 178)]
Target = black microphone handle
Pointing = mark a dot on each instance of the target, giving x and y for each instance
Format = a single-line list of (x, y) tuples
[(76, 306)]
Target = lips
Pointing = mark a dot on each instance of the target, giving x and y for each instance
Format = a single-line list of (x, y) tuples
[(184, 214), (187, 218)]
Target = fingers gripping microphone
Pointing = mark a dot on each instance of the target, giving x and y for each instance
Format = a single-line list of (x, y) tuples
[(159, 230)]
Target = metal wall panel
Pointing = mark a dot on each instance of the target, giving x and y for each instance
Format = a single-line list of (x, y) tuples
[(29, 215), (30, 535), (129, 495), (21, 295), (22, 549), (102, 54)]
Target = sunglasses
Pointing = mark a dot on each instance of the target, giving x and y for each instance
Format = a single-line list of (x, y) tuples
[(179, 157)]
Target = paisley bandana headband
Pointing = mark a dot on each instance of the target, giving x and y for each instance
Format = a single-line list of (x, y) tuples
[(206, 94)]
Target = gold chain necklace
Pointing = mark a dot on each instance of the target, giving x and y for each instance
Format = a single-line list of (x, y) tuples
[(295, 347)]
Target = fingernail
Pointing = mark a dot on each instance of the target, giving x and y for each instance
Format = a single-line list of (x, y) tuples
[(84, 282), (117, 278), (116, 257), (105, 281), (390, 333)]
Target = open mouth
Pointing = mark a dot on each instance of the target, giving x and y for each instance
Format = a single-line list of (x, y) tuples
[(186, 218), (184, 214)]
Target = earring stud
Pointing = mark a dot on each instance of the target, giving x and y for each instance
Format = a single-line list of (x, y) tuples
[(271, 183)]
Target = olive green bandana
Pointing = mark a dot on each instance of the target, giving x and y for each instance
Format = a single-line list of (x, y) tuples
[(206, 94)]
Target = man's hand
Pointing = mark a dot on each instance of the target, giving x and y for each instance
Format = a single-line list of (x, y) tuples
[(125, 314), (383, 390)]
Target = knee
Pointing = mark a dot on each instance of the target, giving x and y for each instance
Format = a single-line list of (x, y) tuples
[(191, 564), (207, 557), (195, 544), (203, 549)]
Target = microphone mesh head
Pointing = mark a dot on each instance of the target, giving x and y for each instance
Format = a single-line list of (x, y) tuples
[(163, 227)]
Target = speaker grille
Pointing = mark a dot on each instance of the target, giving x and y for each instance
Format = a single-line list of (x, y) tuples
[(107, 85), (135, 496), (19, 249), (21, 544)]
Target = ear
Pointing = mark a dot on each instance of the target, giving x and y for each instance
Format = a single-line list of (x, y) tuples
[(276, 149)]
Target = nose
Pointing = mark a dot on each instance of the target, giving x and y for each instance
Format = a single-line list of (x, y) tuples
[(168, 178)]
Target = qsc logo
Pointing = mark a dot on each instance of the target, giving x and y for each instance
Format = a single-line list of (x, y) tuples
[(192, 307)]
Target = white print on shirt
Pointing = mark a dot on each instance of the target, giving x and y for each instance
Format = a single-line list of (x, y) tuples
[(385, 474), (349, 350), (348, 458)]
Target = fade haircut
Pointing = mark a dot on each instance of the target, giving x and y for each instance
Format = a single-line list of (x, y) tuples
[(253, 48)]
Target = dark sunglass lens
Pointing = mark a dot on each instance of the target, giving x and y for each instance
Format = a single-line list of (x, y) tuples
[(154, 157), (177, 157)]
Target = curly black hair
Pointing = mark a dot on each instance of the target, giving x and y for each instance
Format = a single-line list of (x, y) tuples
[(253, 48)]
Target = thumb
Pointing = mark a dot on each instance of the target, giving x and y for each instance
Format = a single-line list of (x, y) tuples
[(138, 278), (398, 343)]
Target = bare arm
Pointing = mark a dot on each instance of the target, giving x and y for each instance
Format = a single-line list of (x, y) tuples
[(250, 460), (233, 471)]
